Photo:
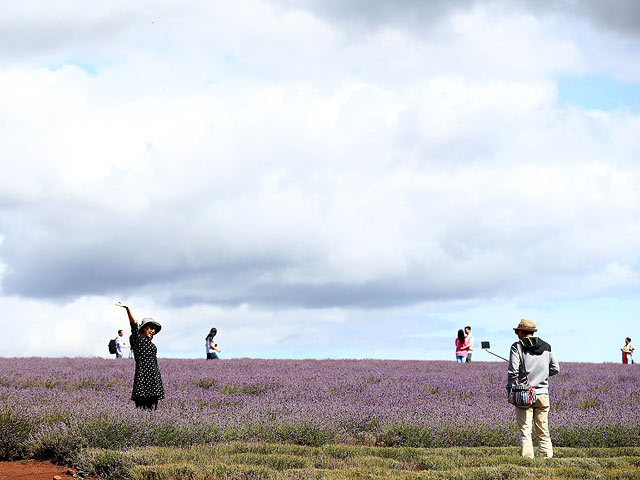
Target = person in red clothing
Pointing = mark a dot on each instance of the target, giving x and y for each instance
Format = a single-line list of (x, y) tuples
[(627, 352)]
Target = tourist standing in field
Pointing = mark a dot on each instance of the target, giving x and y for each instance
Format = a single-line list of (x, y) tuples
[(211, 346), (147, 382), (462, 346), (540, 363), (467, 331), (120, 344), (627, 351)]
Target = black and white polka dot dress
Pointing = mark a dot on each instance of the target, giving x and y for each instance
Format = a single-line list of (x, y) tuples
[(147, 382)]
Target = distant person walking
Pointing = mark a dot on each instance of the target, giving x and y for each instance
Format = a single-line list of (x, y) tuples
[(120, 344), (462, 346), (467, 331), (627, 352), (211, 346), (540, 363), (147, 382)]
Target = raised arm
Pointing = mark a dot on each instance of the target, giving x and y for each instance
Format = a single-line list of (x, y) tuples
[(126, 307)]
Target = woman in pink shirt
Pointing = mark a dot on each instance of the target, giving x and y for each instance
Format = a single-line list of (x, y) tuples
[(462, 347)]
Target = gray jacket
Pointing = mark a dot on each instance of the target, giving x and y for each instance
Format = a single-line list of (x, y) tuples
[(539, 360)]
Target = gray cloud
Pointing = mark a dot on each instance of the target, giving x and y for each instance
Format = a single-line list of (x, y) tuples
[(94, 254), (382, 293), (52, 38), (378, 13), (622, 16)]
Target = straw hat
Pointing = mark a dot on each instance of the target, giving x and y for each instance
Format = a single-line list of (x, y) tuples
[(150, 321), (526, 326)]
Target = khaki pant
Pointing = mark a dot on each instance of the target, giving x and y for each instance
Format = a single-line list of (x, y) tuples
[(535, 416)]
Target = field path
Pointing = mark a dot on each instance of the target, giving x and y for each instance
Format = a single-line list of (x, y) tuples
[(33, 470)]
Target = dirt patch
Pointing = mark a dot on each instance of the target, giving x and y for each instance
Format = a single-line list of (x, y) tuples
[(33, 470)]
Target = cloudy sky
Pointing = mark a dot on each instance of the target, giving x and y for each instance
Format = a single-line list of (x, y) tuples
[(320, 178)]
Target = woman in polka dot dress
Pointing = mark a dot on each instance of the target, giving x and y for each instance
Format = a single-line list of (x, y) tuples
[(147, 382)]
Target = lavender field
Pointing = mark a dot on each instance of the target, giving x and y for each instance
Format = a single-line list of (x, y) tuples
[(56, 406)]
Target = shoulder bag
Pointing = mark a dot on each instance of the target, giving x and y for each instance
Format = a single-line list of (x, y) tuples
[(522, 394)]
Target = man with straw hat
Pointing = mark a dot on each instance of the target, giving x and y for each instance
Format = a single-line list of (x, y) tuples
[(539, 364)]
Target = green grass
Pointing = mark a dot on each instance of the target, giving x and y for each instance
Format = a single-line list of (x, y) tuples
[(256, 461)]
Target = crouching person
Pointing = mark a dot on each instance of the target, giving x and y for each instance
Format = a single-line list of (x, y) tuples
[(539, 364)]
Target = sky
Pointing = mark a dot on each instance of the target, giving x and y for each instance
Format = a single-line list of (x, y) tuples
[(320, 178)]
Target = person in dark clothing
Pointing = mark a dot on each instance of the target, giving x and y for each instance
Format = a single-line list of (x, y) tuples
[(147, 381), (540, 364)]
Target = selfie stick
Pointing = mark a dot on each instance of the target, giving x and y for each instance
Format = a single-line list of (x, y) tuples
[(486, 345), (497, 356)]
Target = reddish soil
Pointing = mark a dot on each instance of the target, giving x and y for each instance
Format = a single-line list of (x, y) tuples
[(33, 470)]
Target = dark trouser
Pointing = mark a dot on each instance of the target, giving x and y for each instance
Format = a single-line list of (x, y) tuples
[(118, 355), (469, 357), (150, 403), (212, 355)]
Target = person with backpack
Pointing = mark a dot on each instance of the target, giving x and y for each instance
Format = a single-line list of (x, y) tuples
[(147, 381), (211, 346), (532, 360), (120, 344)]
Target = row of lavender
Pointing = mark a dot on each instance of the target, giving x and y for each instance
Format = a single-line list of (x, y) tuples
[(57, 404)]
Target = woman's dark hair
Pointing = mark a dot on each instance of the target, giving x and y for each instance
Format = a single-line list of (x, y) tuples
[(212, 333), (460, 335), (628, 339)]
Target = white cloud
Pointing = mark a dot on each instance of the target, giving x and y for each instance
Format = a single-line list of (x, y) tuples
[(284, 169)]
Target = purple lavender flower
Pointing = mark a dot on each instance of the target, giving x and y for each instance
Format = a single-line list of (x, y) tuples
[(414, 403)]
